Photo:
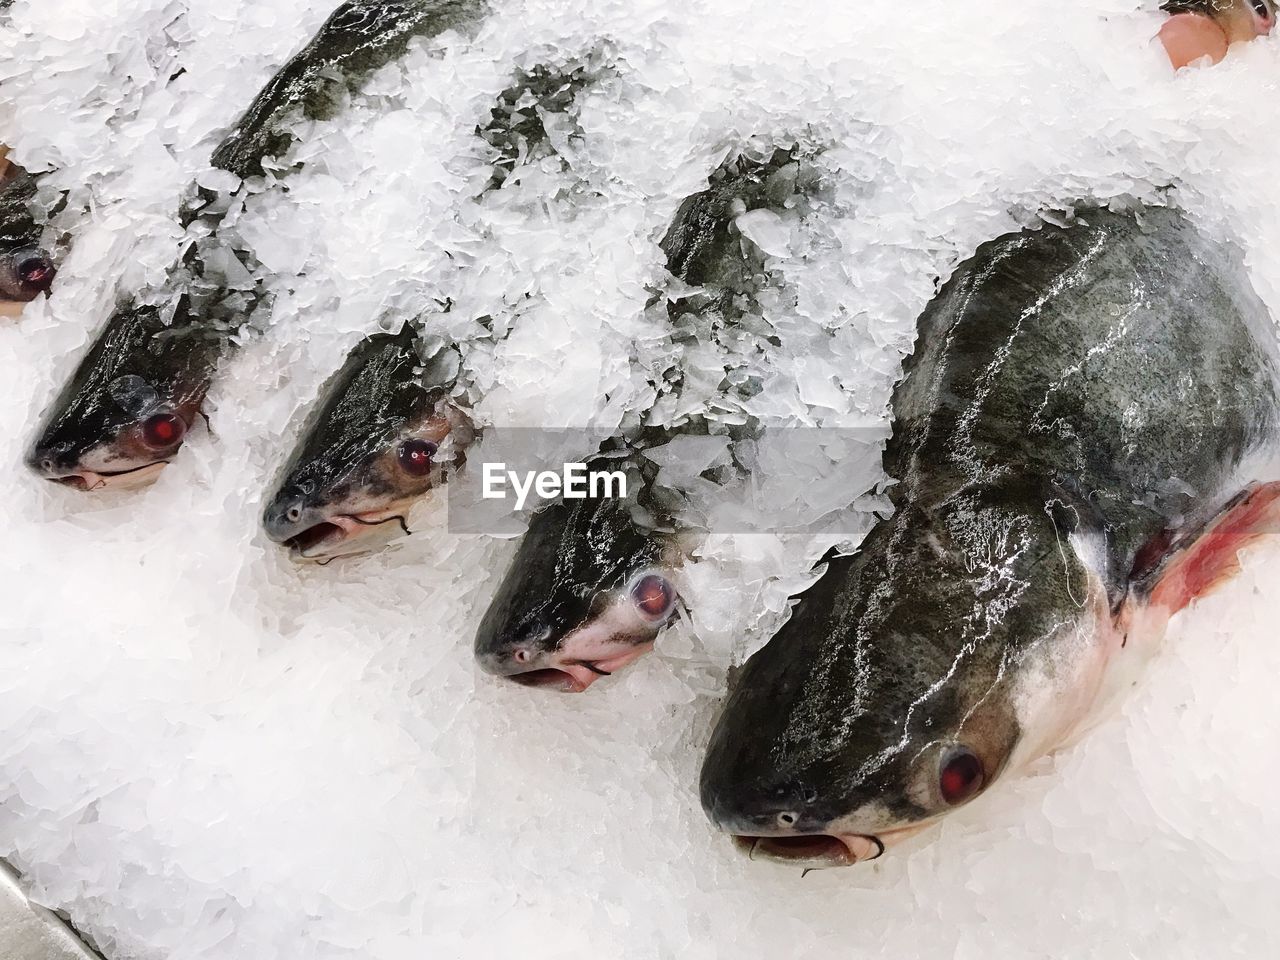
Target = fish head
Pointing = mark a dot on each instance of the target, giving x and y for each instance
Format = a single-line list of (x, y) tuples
[(587, 594), (129, 407), (385, 434), (897, 691)]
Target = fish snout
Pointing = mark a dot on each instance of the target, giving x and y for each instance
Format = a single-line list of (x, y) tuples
[(522, 656), (784, 823), (292, 521), (316, 532), (53, 461), (537, 655), (528, 657), (286, 516), (784, 806)]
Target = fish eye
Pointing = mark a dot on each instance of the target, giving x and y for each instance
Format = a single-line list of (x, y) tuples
[(36, 272), (163, 430), (654, 597), (1263, 10), (415, 456), (961, 775)]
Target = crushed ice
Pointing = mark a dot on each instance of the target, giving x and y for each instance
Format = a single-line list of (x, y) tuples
[(211, 753)]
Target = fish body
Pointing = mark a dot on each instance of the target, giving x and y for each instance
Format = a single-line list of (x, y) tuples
[(1083, 441), (359, 38), (593, 582), (386, 431), (26, 268)]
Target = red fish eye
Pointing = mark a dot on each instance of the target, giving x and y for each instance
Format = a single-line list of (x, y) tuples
[(36, 273), (961, 777), (654, 596), (163, 430), (415, 456)]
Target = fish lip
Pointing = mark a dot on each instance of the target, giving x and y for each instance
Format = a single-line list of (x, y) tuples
[(550, 679), (815, 851), (564, 676), (316, 541), (88, 481)]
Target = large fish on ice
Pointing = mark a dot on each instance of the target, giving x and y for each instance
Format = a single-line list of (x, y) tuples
[(1083, 441), (165, 345)]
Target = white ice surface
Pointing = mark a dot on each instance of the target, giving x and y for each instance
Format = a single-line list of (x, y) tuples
[(211, 753)]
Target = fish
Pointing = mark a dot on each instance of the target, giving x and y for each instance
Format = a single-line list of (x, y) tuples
[(129, 407), (1083, 441), (359, 38), (27, 268), (591, 590), (386, 432), (1207, 28), (593, 582)]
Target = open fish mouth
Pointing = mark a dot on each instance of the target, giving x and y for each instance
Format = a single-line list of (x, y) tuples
[(814, 852), (569, 678), (575, 676), (339, 536), (551, 679)]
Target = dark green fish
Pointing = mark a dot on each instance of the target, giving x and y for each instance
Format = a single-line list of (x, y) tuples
[(386, 431), (358, 39), (1083, 442), (592, 586)]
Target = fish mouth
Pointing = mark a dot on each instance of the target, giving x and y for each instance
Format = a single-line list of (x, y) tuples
[(812, 851), (88, 481), (551, 679), (337, 536), (575, 676)]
